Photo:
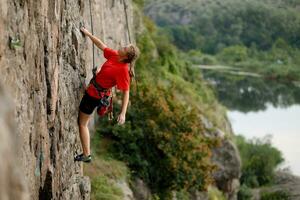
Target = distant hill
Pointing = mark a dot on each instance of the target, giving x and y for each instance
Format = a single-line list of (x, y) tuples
[(211, 25)]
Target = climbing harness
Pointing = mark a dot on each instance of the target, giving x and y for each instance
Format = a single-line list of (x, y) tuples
[(105, 102), (98, 87)]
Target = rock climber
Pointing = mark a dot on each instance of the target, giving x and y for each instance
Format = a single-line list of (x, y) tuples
[(116, 71)]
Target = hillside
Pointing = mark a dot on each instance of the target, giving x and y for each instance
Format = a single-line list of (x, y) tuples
[(213, 25), (260, 37)]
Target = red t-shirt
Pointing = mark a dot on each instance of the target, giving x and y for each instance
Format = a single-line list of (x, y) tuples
[(112, 73)]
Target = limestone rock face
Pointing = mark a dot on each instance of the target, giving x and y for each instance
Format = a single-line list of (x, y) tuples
[(12, 185), (229, 168), (227, 159), (44, 63)]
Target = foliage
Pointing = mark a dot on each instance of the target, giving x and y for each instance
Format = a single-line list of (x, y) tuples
[(213, 25), (185, 37), (105, 171), (233, 54), (104, 190), (259, 36), (163, 139), (197, 57), (215, 194), (259, 160), (162, 142), (147, 56), (277, 195), (244, 193), (280, 63), (182, 195)]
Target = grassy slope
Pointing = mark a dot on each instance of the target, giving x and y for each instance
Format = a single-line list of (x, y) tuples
[(105, 171)]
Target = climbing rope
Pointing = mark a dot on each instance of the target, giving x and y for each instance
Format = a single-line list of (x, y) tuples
[(110, 113), (92, 28), (126, 18), (129, 38)]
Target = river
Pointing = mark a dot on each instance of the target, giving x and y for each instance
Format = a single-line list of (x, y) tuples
[(282, 123), (259, 107)]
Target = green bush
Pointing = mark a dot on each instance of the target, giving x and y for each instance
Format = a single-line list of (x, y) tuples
[(208, 60), (215, 194), (162, 142), (277, 195), (182, 195), (233, 54), (185, 38), (244, 193), (146, 45), (104, 190), (259, 160)]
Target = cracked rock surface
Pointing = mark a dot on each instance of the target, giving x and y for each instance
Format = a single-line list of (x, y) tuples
[(44, 63)]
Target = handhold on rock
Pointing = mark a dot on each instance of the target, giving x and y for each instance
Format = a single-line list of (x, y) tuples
[(39, 162), (14, 42), (37, 171), (81, 24), (75, 39), (85, 187)]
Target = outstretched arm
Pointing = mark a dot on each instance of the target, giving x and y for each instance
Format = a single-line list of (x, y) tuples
[(94, 39), (121, 117)]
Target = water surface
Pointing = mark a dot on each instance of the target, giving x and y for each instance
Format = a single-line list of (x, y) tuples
[(282, 123), (259, 107)]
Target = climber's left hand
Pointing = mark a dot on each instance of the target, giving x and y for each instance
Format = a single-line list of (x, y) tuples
[(121, 119)]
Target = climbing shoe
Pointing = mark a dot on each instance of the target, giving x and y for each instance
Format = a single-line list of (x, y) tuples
[(83, 158)]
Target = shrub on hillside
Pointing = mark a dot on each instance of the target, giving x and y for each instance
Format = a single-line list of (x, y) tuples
[(162, 142), (277, 195), (259, 160), (233, 54), (244, 193)]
